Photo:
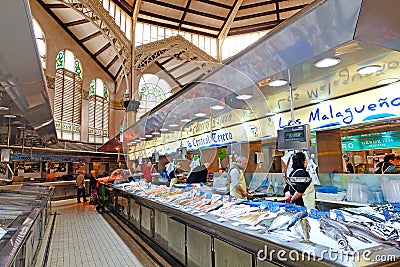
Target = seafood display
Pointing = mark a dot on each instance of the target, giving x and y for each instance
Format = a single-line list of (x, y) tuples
[(303, 228), (348, 229), (330, 231)]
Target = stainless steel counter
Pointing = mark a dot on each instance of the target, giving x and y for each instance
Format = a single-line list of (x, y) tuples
[(198, 240), (24, 214)]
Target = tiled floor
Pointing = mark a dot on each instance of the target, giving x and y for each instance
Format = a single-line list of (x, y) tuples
[(82, 237)]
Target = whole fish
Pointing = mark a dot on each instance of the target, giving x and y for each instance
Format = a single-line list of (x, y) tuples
[(365, 231), (344, 229), (335, 234), (297, 216), (280, 222), (303, 228)]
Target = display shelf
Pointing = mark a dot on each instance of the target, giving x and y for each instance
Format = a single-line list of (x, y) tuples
[(223, 234)]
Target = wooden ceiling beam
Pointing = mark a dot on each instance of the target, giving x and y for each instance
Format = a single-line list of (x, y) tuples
[(213, 3), (76, 23), (178, 66), (269, 2), (184, 13), (112, 62), (227, 25), (188, 73), (56, 6), (145, 13), (168, 73), (267, 13), (175, 27), (255, 27), (101, 50), (68, 31), (89, 37), (196, 12)]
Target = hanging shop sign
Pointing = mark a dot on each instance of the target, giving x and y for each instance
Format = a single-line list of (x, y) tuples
[(371, 141), (379, 104)]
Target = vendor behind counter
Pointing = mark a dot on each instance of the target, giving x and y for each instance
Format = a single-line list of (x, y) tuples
[(198, 174)]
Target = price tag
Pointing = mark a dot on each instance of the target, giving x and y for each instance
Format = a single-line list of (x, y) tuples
[(317, 214), (396, 206), (387, 215), (339, 215)]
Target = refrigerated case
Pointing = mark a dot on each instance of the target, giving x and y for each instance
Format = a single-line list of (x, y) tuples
[(24, 214), (189, 238)]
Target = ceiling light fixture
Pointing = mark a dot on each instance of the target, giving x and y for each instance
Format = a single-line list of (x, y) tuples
[(217, 107), (388, 81), (142, 138), (278, 82), (327, 62), (270, 113), (200, 114), (163, 130), (173, 125), (9, 116), (4, 108), (244, 97), (148, 135), (185, 120), (369, 69)]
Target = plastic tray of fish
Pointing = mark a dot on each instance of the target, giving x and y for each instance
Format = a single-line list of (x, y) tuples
[(329, 196)]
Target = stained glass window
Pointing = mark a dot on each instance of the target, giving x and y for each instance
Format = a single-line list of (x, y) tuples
[(67, 97), (98, 111), (152, 91)]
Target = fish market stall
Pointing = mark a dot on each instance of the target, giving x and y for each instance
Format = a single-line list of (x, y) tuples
[(190, 227), (24, 214)]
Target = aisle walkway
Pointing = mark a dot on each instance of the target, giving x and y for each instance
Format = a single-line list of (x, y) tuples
[(82, 237)]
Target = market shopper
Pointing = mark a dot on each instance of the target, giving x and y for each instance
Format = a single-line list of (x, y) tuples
[(238, 186), (387, 166), (198, 174), (80, 184), (93, 181), (297, 181)]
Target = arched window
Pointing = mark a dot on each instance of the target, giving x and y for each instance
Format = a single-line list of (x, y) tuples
[(152, 91), (99, 111), (40, 42), (68, 96)]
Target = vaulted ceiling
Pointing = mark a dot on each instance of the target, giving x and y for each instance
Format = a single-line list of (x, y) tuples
[(108, 46)]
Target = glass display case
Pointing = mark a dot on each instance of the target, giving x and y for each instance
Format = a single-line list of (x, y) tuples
[(24, 213), (189, 226)]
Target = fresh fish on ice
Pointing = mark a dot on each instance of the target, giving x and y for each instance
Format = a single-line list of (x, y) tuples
[(303, 228), (297, 216), (343, 228), (364, 229), (280, 222), (335, 234)]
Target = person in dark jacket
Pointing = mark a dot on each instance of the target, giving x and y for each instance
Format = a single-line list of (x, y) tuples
[(387, 166), (93, 181), (198, 174), (349, 166), (298, 181)]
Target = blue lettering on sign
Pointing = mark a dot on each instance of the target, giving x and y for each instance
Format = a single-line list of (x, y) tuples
[(345, 116), (215, 138)]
